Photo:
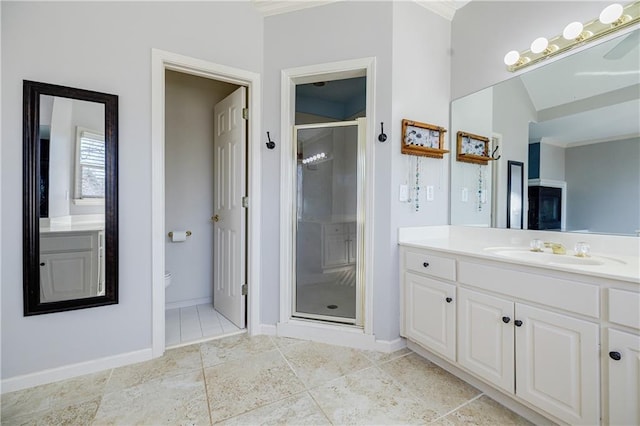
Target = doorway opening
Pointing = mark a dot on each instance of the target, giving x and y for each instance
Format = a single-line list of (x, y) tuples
[(234, 238), (204, 255)]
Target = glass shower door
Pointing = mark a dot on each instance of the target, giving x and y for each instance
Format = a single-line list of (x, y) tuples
[(329, 240)]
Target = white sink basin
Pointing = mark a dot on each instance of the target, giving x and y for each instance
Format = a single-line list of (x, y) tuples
[(549, 258)]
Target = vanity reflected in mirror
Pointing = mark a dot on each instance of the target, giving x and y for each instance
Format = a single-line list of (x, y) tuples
[(574, 125), (70, 198)]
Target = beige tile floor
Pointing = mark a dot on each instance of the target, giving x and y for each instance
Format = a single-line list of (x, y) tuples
[(241, 380)]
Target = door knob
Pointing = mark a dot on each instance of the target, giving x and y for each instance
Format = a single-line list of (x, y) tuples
[(616, 356), (449, 300), (506, 320), (215, 218), (518, 323)]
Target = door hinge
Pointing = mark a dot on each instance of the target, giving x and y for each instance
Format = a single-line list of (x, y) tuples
[(245, 202), (245, 288), (245, 113)]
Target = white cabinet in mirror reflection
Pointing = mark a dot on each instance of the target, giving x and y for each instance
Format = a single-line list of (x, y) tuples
[(71, 265)]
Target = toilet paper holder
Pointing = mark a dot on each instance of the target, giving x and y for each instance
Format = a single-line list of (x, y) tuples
[(170, 234)]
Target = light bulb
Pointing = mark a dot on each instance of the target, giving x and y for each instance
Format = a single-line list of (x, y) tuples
[(539, 45), (511, 58), (572, 31), (611, 13)]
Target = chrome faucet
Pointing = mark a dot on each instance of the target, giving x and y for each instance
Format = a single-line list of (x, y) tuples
[(556, 248)]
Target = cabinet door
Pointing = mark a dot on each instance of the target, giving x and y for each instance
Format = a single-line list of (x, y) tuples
[(486, 337), (68, 275), (334, 246), (624, 378), (557, 364), (430, 316)]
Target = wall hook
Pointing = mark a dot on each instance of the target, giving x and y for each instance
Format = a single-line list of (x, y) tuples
[(493, 154), (382, 137), (271, 144)]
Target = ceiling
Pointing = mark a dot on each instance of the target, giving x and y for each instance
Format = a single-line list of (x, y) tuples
[(588, 97)]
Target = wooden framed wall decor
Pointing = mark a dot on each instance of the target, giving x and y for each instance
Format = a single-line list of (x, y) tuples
[(472, 148), (425, 140)]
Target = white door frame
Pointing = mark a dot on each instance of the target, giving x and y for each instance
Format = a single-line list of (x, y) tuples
[(161, 61), (289, 79)]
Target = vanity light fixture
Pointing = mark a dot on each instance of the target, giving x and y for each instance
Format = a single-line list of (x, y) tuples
[(314, 158), (612, 18)]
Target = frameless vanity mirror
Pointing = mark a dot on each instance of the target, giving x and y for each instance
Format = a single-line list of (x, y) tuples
[(70, 198), (573, 124)]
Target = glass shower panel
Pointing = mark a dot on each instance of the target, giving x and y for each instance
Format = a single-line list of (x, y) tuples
[(326, 222)]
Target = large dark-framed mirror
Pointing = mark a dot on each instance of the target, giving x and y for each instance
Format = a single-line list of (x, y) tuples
[(70, 198)]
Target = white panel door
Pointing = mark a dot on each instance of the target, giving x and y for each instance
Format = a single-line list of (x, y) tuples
[(557, 364), (230, 145), (623, 353), (486, 337), (430, 319)]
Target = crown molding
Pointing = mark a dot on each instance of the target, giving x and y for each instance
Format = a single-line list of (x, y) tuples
[(277, 7), (444, 8)]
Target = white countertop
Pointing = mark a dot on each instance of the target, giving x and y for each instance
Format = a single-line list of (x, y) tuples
[(71, 227), (620, 262)]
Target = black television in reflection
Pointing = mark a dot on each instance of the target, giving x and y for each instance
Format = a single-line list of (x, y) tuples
[(545, 207)]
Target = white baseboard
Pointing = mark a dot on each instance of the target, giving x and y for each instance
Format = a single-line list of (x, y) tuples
[(334, 334), (187, 303), (69, 371), (504, 399), (267, 330)]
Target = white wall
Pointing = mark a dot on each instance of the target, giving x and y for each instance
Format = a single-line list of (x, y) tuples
[(472, 114), (104, 47), (189, 180), (421, 75), (512, 112), (357, 30), (552, 159)]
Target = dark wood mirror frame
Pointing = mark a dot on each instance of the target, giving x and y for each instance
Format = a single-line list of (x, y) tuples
[(31, 205)]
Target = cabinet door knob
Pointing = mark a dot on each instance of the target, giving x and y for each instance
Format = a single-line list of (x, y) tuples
[(518, 323), (506, 320), (615, 356), (42, 264), (449, 300), (425, 264)]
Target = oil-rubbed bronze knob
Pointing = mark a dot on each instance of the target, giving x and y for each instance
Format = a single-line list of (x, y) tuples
[(215, 218)]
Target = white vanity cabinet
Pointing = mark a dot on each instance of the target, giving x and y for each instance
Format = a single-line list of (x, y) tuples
[(520, 332), (429, 300), (339, 245), (70, 265), (622, 353)]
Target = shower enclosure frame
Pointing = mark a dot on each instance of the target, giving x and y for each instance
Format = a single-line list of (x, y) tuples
[(361, 125)]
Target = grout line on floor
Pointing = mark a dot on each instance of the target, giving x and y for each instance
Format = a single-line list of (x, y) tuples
[(458, 407)]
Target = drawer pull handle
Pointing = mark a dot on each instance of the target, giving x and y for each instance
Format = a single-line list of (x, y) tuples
[(506, 320), (449, 300), (518, 323), (615, 356), (425, 264)]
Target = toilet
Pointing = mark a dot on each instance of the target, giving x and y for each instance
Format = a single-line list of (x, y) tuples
[(167, 279)]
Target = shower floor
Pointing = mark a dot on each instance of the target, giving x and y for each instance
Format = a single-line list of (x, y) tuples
[(336, 289), (193, 323)]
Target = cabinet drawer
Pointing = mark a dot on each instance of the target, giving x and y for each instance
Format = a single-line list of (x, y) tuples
[(569, 295), (428, 264), (624, 307)]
